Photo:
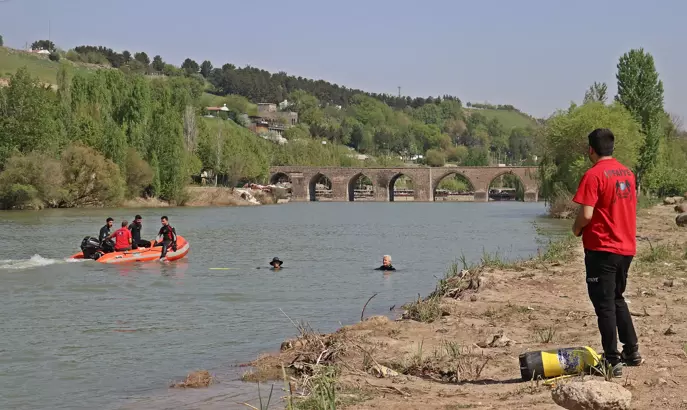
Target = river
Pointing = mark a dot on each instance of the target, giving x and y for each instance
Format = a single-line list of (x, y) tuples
[(82, 335)]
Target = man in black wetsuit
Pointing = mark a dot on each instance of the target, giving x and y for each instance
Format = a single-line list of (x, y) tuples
[(168, 237), (105, 244), (386, 263), (135, 229)]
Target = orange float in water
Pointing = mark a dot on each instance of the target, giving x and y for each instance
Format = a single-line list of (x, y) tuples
[(138, 255)]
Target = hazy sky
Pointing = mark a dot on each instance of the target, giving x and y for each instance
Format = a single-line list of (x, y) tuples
[(535, 54)]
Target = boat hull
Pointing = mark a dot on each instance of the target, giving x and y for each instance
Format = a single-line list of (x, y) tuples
[(143, 254)]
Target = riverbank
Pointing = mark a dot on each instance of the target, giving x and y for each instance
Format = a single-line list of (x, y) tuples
[(208, 196), (459, 348)]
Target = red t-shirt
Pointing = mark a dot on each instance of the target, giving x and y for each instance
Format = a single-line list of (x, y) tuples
[(122, 238), (610, 188)]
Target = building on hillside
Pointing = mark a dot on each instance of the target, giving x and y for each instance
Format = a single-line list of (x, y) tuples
[(213, 111), (269, 118)]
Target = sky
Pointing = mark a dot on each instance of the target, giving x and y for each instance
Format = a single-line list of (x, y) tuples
[(538, 55)]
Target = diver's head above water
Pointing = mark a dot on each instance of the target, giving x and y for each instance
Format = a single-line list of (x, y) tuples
[(276, 263)]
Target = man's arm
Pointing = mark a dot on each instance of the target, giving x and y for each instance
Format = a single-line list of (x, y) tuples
[(584, 215)]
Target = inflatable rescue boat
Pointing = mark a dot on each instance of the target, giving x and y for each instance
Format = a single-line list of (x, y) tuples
[(90, 249)]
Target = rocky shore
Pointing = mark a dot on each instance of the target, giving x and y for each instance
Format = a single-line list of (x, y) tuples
[(458, 348)]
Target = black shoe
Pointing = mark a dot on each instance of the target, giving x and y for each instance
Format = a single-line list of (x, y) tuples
[(605, 366), (632, 358)]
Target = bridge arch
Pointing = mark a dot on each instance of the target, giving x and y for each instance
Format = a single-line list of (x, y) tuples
[(326, 183), (278, 177), (467, 192), (516, 192), (406, 192), (356, 184)]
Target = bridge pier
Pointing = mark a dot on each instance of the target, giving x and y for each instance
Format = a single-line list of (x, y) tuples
[(481, 196), (531, 196)]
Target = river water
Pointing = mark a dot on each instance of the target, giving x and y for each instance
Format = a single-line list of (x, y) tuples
[(82, 335)]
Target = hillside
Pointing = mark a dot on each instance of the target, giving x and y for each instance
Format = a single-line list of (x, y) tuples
[(38, 65), (509, 119)]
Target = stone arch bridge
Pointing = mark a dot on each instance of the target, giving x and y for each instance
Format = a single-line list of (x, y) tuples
[(425, 180)]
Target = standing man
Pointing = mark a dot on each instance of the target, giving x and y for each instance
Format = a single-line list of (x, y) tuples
[(167, 237), (135, 229), (607, 222)]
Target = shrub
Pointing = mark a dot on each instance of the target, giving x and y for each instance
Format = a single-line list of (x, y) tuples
[(435, 158), (31, 181), (89, 178), (54, 56)]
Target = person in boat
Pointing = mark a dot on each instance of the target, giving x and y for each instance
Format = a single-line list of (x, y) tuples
[(104, 236), (276, 263), (386, 263), (167, 237), (122, 237), (135, 229)]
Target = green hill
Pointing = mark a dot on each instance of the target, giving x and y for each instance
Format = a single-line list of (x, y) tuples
[(509, 119), (39, 65)]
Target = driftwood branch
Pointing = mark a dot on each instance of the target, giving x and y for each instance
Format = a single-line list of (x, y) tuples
[(363, 312)]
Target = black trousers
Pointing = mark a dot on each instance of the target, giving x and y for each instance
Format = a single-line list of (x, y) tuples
[(165, 246), (140, 243), (606, 282)]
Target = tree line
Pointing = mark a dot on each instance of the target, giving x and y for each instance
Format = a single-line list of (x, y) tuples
[(648, 139)]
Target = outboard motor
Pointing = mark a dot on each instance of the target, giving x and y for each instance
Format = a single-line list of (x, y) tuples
[(90, 247)]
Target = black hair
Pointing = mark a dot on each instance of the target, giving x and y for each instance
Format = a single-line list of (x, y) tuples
[(602, 141), (109, 220), (164, 217), (138, 217)]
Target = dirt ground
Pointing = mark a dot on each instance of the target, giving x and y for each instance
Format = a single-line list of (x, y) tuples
[(506, 309)]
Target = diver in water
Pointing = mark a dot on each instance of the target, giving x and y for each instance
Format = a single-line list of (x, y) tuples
[(386, 264), (276, 263)]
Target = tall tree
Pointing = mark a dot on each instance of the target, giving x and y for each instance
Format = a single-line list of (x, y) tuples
[(206, 68), (142, 58), (190, 66), (641, 92), (126, 56), (2, 42), (43, 45), (158, 64), (597, 92)]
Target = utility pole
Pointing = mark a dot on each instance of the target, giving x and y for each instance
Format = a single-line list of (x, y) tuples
[(399, 91), (49, 30)]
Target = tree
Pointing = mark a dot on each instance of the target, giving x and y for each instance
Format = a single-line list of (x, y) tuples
[(597, 92), (2, 42), (206, 68), (158, 64), (43, 45), (142, 58), (126, 57), (190, 67), (435, 158), (565, 146), (641, 92)]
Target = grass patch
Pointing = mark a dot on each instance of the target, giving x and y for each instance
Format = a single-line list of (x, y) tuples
[(449, 363), (38, 65), (560, 250), (545, 334), (423, 310), (509, 119), (656, 253)]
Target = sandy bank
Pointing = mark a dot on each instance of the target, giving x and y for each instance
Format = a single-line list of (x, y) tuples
[(208, 196), (460, 349)]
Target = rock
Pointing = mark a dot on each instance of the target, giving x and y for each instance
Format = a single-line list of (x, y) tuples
[(669, 200), (473, 298), (383, 371), (592, 395), (671, 283), (681, 220), (496, 341), (681, 208), (678, 199), (670, 331)]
